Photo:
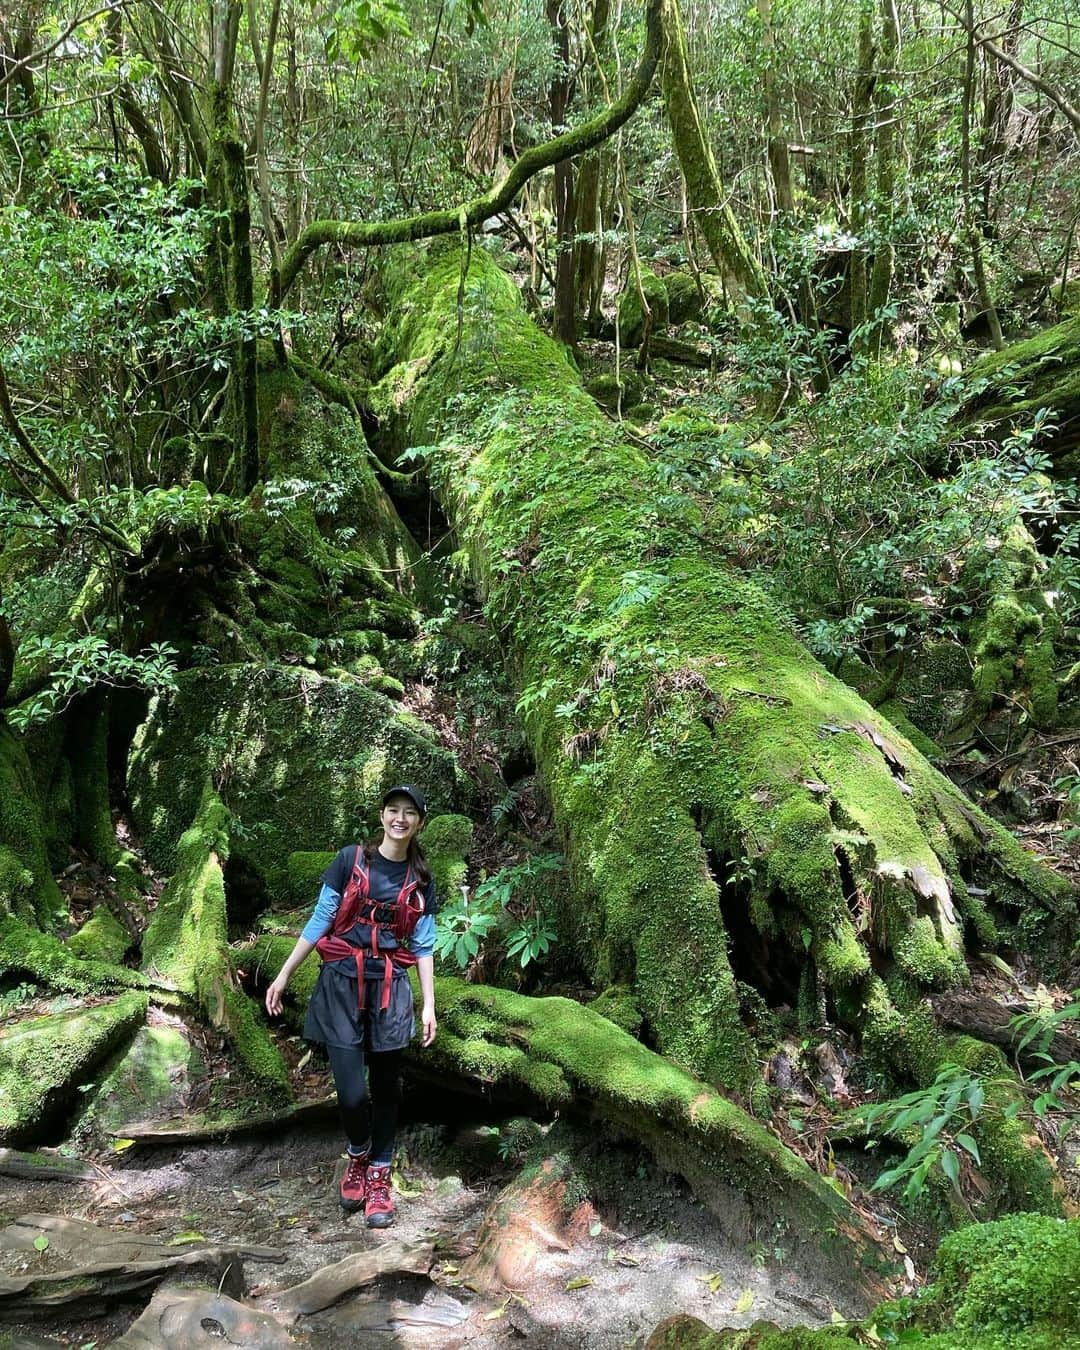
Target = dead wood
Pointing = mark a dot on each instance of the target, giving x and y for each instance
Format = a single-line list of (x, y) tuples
[(84, 1264), (188, 1129), (987, 1019), (189, 1319), (333, 1282), (44, 1166)]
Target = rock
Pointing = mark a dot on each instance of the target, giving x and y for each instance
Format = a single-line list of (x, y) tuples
[(101, 938), (43, 1062), (631, 314), (684, 298), (152, 1081)]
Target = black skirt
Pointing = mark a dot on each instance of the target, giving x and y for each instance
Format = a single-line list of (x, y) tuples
[(334, 1019)]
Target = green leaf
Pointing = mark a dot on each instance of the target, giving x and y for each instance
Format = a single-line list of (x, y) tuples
[(41, 1243), (966, 1142), (950, 1165)]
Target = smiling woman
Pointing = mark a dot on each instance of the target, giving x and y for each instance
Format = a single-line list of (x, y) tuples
[(374, 919)]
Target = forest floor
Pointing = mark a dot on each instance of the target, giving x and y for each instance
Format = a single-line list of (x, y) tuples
[(605, 1279)]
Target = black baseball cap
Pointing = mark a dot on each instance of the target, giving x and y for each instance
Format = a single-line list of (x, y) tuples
[(407, 790)]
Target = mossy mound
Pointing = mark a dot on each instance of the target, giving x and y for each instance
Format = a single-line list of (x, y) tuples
[(101, 938), (684, 297), (631, 314), (26, 951), (43, 1062), (302, 761), (1065, 297), (614, 393), (150, 1080), (447, 840)]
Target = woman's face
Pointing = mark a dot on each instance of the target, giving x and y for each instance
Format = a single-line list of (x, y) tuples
[(400, 820)]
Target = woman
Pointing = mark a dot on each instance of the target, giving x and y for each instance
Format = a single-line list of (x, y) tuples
[(374, 919)]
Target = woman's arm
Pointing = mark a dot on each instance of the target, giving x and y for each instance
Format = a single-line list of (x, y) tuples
[(425, 969), (299, 953), (320, 923)]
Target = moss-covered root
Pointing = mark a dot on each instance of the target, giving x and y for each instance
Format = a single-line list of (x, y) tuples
[(1009, 387), (566, 1056), (149, 1080), (43, 1062), (74, 967), (1014, 643), (703, 767), (27, 888), (186, 944)]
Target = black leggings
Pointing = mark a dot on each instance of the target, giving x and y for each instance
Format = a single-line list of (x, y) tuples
[(367, 1116)]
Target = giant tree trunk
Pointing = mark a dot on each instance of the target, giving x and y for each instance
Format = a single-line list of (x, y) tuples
[(719, 791)]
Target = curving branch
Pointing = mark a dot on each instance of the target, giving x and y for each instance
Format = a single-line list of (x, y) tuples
[(450, 220)]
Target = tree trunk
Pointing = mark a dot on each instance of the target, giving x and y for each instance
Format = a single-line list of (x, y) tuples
[(886, 104), (779, 158), (704, 190), (860, 152), (560, 95), (716, 787)]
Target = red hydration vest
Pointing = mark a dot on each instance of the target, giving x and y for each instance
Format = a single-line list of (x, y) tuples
[(397, 917)]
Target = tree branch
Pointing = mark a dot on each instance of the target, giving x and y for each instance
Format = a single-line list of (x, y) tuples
[(450, 220), (26, 62), (1071, 114)]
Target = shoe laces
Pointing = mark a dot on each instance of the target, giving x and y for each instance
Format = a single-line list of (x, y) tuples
[(356, 1169), (379, 1185)]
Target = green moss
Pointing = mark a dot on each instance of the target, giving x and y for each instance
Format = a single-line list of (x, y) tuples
[(447, 840), (678, 721), (303, 762), (43, 1062), (560, 1052), (151, 1078), (186, 944), (684, 297), (26, 951), (619, 1005), (301, 880), (27, 888), (102, 938), (631, 315), (612, 393), (1065, 295)]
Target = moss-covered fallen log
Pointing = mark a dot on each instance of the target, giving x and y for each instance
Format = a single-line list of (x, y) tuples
[(718, 789), (1042, 372)]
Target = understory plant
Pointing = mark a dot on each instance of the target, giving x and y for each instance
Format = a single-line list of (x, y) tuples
[(505, 912)]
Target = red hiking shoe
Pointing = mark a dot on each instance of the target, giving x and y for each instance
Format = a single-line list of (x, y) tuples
[(354, 1185), (379, 1209)]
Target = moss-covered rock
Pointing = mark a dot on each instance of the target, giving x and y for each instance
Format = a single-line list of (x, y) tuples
[(688, 740), (632, 315), (446, 841), (101, 938), (150, 1079), (614, 393), (1065, 297), (684, 297), (302, 761), (43, 1062)]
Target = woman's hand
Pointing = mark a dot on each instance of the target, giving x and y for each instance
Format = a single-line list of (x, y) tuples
[(275, 993), (428, 1024)]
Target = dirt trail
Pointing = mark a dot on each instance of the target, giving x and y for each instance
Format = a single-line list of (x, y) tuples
[(632, 1255)]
